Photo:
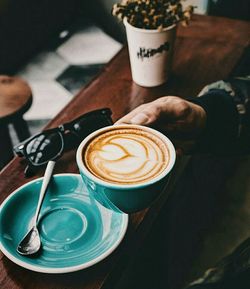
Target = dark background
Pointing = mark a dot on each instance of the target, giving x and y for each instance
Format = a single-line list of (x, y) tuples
[(27, 26)]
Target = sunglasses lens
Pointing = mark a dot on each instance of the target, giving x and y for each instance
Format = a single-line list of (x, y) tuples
[(44, 147), (87, 125), (50, 144)]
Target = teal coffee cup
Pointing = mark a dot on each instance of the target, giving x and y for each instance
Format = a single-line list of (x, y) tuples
[(125, 167)]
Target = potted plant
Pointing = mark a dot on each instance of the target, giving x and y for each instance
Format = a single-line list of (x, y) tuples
[(151, 29)]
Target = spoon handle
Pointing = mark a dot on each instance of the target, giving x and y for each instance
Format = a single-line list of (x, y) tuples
[(45, 183)]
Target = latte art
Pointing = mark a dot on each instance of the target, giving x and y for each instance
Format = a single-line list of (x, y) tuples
[(126, 156)]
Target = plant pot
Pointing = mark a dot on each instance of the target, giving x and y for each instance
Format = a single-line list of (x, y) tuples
[(150, 53)]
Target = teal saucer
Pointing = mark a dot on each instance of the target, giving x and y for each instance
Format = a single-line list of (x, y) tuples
[(76, 231)]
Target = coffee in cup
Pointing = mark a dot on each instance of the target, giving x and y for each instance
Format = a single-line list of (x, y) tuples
[(125, 166), (126, 156)]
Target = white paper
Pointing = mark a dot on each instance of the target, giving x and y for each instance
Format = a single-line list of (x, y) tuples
[(49, 97), (89, 46)]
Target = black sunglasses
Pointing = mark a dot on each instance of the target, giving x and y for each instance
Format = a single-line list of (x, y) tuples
[(50, 144)]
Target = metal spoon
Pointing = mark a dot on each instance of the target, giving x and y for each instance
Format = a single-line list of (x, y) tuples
[(31, 242)]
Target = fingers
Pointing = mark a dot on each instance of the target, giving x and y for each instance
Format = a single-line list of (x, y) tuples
[(127, 118), (143, 115), (148, 113), (140, 118)]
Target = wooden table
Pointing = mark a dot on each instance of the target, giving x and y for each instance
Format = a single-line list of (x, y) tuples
[(208, 50)]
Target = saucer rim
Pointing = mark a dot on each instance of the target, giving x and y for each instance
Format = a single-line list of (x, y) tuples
[(59, 270)]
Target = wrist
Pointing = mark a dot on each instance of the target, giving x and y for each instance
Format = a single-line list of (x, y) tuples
[(200, 118)]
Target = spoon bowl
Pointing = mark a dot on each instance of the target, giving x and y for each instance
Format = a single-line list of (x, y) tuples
[(31, 243)]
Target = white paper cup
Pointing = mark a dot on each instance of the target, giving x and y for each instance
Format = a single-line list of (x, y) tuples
[(151, 53)]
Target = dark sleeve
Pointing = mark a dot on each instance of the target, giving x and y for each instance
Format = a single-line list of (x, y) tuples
[(230, 273), (224, 132)]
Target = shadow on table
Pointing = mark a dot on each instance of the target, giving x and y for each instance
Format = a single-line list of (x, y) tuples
[(200, 206)]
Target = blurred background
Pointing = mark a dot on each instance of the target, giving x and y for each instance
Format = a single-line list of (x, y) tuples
[(58, 46)]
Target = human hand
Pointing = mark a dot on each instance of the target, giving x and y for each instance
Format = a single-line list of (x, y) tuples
[(181, 120)]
